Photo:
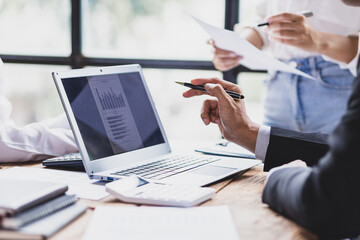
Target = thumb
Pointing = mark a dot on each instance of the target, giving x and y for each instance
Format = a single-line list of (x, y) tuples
[(218, 91)]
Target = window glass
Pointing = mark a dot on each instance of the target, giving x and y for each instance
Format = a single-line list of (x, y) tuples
[(247, 10), (180, 116), (32, 92), (251, 83), (35, 27), (253, 87), (158, 29)]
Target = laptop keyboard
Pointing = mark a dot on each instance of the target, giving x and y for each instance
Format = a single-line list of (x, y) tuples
[(167, 167)]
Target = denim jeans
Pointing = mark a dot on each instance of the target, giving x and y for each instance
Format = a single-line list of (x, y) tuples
[(301, 104)]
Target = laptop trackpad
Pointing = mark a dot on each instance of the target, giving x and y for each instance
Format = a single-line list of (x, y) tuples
[(213, 170)]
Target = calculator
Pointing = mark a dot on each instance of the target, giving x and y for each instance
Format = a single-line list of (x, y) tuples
[(70, 161), (134, 189)]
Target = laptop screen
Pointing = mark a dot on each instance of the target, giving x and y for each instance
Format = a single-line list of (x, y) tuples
[(113, 113)]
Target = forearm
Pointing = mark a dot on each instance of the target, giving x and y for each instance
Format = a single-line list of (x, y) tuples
[(34, 142), (341, 48), (252, 36)]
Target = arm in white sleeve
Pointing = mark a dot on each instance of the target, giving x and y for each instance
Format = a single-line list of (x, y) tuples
[(35, 141)]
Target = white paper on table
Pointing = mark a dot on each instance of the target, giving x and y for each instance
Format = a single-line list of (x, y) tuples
[(254, 58), (78, 182), (161, 223)]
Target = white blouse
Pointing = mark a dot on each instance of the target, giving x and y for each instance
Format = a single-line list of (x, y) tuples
[(330, 16), (35, 141)]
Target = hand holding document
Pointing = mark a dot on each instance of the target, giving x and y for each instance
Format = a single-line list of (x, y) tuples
[(253, 57)]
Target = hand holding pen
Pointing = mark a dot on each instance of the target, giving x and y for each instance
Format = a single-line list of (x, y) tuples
[(234, 95), (229, 115), (304, 13), (295, 30)]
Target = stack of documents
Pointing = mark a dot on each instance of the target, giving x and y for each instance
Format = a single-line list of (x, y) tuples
[(34, 209)]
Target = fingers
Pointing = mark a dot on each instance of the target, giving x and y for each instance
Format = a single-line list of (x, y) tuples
[(286, 17), (193, 93), (203, 81), (209, 112), (225, 84), (285, 34), (223, 59), (210, 42), (221, 53), (292, 42), (218, 91), (225, 64), (285, 26)]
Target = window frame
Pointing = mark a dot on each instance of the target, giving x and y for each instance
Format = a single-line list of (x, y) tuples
[(77, 60)]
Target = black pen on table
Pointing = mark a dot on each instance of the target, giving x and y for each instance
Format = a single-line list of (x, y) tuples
[(304, 13), (234, 95)]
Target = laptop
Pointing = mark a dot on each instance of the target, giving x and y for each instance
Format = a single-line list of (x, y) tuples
[(119, 133)]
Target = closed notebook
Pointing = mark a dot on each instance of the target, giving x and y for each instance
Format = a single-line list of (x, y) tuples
[(19, 195), (38, 211), (45, 227)]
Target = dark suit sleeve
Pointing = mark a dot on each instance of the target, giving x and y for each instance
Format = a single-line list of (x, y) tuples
[(325, 197), (286, 146)]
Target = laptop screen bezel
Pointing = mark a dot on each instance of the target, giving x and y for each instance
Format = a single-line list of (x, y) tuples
[(118, 160)]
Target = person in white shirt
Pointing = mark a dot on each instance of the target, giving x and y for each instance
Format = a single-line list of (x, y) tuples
[(323, 46), (35, 141)]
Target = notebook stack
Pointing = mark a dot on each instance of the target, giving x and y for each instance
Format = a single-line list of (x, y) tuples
[(35, 209)]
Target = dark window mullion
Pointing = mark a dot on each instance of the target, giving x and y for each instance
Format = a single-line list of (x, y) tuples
[(28, 59), (151, 63), (77, 60), (76, 57), (231, 18)]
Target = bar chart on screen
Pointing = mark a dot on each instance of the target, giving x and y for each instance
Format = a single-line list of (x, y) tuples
[(115, 113), (110, 100)]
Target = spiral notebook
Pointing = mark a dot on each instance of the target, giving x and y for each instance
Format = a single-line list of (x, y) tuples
[(45, 227), (37, 212)]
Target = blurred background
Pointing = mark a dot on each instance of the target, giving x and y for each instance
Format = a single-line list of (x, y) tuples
[(41, 36)]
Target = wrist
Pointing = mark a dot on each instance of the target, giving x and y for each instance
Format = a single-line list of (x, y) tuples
[(247, 135), (321, 42)]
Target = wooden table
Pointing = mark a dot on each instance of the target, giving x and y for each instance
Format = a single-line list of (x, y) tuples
[(241, 193)]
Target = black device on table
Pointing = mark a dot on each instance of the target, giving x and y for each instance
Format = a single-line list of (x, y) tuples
[(67, 161)]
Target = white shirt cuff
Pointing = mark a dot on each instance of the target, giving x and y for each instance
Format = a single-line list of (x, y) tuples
[(262, 142)]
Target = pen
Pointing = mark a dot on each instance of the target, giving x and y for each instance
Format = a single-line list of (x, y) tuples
[(304, 13), (234, 95)]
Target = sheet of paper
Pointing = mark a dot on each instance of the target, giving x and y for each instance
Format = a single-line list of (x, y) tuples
[(253, 57), (78, 182), (161, 223), (224, 148)]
